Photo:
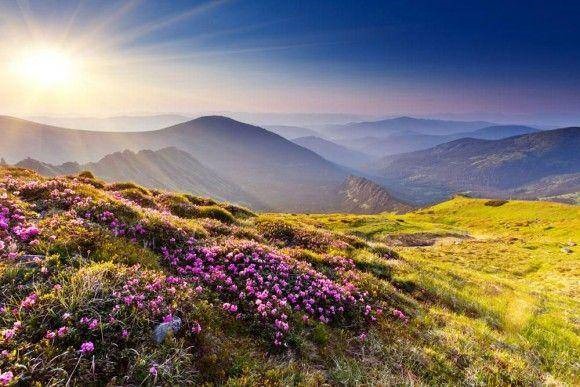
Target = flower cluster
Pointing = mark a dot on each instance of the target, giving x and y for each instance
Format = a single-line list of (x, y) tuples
[(266, 286), (6, 378), (16, 231), (58, 192), (252, 282)]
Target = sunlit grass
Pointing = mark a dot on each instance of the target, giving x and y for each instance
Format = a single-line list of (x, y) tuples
[(518, 277)]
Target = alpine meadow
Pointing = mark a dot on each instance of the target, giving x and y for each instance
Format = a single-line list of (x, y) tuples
[(263, 193)]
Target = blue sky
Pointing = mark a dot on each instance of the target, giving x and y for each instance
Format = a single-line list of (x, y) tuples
[(513, 58)]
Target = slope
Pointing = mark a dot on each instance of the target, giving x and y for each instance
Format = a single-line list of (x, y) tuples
[(487, 166), (168, 169), (280, 173), (278, 298)]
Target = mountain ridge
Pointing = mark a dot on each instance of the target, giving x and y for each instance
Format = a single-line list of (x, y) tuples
[(485, 166)]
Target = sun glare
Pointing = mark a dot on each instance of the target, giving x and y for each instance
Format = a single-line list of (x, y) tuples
[(46, 67)]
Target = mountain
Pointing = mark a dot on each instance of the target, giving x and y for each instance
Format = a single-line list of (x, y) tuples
[(169, 169), (47, 169), (173, 169), (333, 152), (291, 132), (280, 173), (411, 141), (496, 167), (115, 124), (400, 125), (362, 196), (394, 143)]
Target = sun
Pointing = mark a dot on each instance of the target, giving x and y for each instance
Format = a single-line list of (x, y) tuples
[(46, 67)]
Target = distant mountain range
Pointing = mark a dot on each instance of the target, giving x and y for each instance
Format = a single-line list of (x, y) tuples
[(405, 141), (529, 165), (229, 160), (169, 169), (269, 170), (333, 152), (400, 125), (173, 169)]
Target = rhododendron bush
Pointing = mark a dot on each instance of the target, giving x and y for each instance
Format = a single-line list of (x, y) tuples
[(58, 302)]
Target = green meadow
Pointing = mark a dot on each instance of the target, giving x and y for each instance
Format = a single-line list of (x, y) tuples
[(490, 277)]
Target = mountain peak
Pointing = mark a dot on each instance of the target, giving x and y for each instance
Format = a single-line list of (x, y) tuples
[(214, 120)]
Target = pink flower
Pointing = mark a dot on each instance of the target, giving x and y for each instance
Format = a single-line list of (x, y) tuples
[(62, 331), (400, 315), (153, 370), (6, 378), (94, 324), (9, 333), (196, 328), (125, 334), (87, 347), (66, 316), (29, 301), (50, 335)]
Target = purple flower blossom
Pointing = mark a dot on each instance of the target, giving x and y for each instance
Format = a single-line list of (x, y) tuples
[(62, 331), (6, 378), (196, 328), (87, 347), (29, 301), (50, 335), (93, 324)]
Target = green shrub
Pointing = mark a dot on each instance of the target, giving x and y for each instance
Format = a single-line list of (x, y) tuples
[(199, 201), (495, 203), (238, 211), (86, 174), (122, 252), (320, 334), (215, 212), (369, 262), (138, 197), (127, 185)]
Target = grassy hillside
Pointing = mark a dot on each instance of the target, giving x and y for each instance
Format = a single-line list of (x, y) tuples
[(510, 269), (278, 299)]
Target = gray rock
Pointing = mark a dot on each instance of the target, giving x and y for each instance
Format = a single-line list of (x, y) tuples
[(164, 329)]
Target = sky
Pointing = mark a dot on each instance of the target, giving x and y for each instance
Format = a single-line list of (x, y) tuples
[(477, 59)]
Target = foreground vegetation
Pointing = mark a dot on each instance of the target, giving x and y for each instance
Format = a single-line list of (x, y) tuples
[(115, 283)]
